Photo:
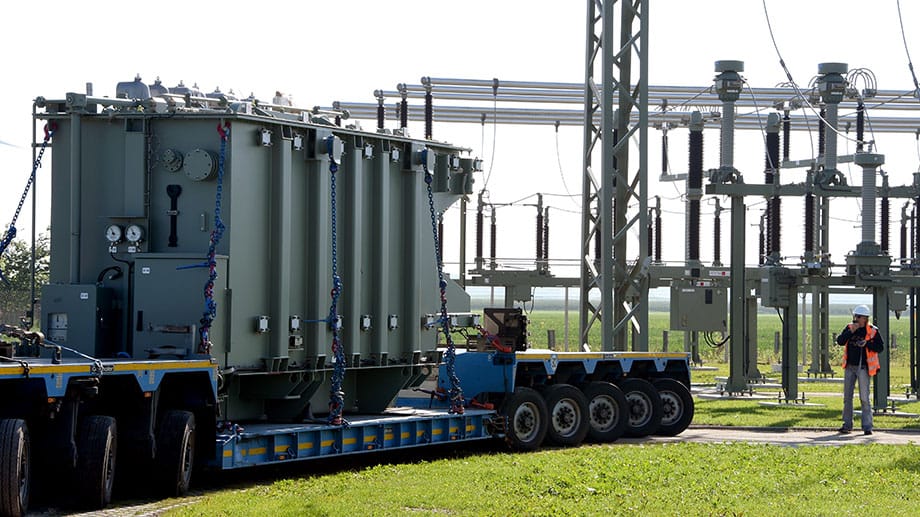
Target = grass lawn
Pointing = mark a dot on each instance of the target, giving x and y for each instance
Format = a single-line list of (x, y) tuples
[(676, 479)]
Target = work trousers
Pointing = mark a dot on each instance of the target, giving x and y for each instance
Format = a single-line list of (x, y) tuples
[(850, 375)]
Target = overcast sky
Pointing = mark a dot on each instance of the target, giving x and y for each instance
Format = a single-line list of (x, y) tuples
[(325, 51)]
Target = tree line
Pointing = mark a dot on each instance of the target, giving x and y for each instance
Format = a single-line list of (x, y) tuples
[(16, 266)]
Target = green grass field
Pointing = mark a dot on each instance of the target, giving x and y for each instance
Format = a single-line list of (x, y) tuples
[(678, 479), (619, 479)]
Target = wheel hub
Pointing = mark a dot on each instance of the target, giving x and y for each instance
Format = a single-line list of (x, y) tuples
[(565, 417), (602, 413), (640, 409), (525, 422), (671, 407)]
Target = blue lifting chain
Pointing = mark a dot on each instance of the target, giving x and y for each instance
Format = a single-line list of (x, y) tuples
[(210, 306), (456, 393), (50, 128), (336, 394)]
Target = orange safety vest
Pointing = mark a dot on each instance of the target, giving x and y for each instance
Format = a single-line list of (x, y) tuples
[(871, 356)]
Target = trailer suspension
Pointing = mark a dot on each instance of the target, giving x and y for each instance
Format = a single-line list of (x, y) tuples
[(210, 306), (456, 393), (11, 230), (336, 394)]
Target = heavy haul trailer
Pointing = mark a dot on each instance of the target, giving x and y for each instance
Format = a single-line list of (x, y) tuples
[(187, 324)]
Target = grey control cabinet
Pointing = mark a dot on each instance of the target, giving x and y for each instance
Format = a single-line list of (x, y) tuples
[(699, 305)]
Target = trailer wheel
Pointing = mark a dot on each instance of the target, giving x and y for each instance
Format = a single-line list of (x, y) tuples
[(568, 414), (15, 467), (96, 446), (176, 451), (607, 410), (644, 407), (526, 415), (677, 406)]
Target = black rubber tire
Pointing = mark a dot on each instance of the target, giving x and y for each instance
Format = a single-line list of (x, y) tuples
[(97, 440), (15, 467), (677, 406), (607, 410), (527, 419), (568, 415), (175, 458), (643, 407)]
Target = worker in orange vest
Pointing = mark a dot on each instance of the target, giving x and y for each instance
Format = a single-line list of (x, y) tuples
[(862, 343)]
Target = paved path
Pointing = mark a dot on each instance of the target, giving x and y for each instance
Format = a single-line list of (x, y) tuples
[(796, 437)]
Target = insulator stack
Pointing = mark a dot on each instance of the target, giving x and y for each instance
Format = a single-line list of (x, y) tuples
[(860, 125), (694, 184), (822, 142), (479, 234), (493, 239), (787, 132), (650, 239), (429, 115), (916, 242), (809, 223), (762, 241), (916, 246), (664, 152), (903, 234), (540, 229), (546, 236), (658, 235), (404, 113), (774, 217), (886, 224), (775, 235), (380, 113)]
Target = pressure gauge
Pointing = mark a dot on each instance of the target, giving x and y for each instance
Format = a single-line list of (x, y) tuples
[(113, 233), (134, 233)]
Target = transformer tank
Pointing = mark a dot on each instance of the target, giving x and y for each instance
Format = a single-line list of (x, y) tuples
[(136, 189)]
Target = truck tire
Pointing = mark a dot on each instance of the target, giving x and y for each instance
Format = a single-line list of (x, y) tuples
[(176, 451), (677, 406), (15, 467), (644, 407), (526, 416), (97, 439), (568, 415), (607, 409)]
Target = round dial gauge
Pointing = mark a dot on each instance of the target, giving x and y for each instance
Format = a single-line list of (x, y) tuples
[(113, 233), (134, 233)]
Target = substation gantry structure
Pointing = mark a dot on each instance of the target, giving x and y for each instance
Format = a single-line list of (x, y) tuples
[(621, 234)]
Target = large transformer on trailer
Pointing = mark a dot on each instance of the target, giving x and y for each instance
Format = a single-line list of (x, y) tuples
[(236, 283)]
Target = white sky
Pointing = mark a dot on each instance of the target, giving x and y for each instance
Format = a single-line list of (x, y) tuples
[(325, 51)]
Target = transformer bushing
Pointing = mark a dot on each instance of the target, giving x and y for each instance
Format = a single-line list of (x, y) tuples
[(831, 86), (728, 85)]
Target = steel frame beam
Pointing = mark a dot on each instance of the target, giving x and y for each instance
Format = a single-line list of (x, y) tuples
[(619, 198)]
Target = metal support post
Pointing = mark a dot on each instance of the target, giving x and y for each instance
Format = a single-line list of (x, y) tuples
[(790, 365), (882, 387), (831, 85), (728, 85), (750, 350), (737, 380)]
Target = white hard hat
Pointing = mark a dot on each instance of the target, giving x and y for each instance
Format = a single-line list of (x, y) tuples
[(862, 310)]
